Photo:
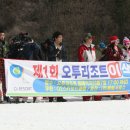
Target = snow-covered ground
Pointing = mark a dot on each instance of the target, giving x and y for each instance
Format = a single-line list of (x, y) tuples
[(72, 115)]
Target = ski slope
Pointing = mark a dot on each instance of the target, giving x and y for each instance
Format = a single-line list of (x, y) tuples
[(72, 115)]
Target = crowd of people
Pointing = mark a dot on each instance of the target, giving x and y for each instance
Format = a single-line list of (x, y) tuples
[(22, 46), (111, 52)]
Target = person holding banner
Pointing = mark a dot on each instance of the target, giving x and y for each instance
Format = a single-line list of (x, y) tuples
[(86, 53), (126, 49), (3, 52), (114, 53), (44, 47), (126, 54), (57, 52)]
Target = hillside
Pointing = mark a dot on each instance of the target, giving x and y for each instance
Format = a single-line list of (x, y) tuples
[(72, 17)]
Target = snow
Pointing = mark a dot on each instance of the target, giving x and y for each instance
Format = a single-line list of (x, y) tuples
[(72, 115)]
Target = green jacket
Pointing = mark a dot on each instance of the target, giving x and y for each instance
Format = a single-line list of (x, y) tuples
[(3, 49)]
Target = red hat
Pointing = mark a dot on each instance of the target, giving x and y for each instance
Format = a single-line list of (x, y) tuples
[(113, 39)]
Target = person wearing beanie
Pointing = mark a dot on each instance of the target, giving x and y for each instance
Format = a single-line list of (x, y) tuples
[(102, 48), (102, 45), (126, 49), (86, 53), (126, 54), (114, 53)]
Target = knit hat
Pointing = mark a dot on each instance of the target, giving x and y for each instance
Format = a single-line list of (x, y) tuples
[(88, 36), (126, 41), (102, 45), (113, 39)]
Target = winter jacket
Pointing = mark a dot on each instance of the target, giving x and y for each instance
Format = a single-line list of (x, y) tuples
[(110, 54), (54, 53), (86, 53), (126, 54), (27, 51), (3, 49)]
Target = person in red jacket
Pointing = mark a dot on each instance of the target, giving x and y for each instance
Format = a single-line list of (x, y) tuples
[(86, 53), (113, 51)]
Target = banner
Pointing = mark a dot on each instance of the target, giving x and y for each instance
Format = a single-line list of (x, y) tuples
[(43, 78)]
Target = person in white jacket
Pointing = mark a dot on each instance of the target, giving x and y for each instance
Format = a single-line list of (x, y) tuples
[(126, 54), (87, 53), (126, 49)]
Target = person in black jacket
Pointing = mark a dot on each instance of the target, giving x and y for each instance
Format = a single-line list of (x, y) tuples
[(57, 52), (44, 48), (23, 47)]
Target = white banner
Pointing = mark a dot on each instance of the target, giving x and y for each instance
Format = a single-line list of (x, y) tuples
[(43, 78)]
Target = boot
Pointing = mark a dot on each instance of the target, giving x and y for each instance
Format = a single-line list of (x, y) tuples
[(17, 100), (34, 99), (97, 98), (51, 99), (117, 97), (61, 99), (86, 98), (7, 99)]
